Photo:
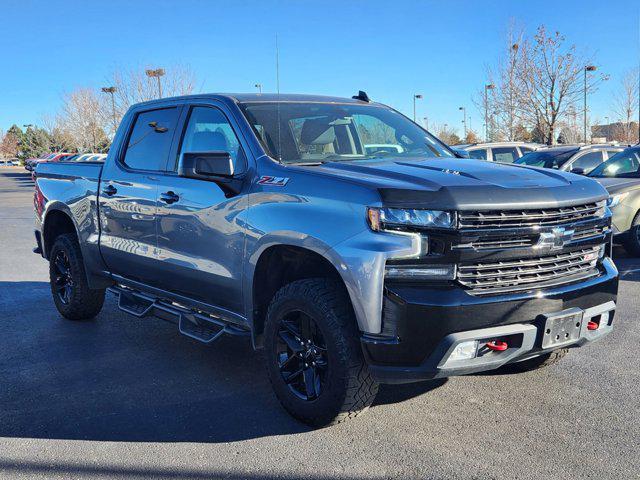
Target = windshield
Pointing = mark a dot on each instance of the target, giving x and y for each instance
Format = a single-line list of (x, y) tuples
[(625, 164), (330, 132), (550, 159)]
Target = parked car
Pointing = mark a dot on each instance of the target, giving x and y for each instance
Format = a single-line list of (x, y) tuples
[(264, 216), (502, 152), (580, 159), (620, 175), (53, 157)]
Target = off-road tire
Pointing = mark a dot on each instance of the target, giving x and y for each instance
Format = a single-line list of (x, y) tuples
[(349, 389), (536, 362), (84, 303), (632, 243)]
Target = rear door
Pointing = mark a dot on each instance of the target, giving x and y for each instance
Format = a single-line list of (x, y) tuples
[(201, 237), (129, 191)]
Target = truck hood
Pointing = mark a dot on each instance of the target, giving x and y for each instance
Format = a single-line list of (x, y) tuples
[(466, 183), (618, 185)]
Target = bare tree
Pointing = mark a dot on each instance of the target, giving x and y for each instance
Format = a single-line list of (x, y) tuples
[(550, 81), (134, 86), (626, 106), (446, 134), (83, 121)]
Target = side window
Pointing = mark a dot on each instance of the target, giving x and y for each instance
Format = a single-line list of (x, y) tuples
[(611, 153), (480, 153), (505, 154), (150, 139), (588, 161), (209, 130)]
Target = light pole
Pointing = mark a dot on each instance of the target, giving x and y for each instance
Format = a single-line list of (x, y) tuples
[(426, 122), (259, 87), (111, 91), (464, 120), (487, 87), (416, 96), (587, 68), (157, 73)]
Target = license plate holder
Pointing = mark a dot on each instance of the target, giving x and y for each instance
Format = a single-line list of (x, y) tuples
[(562, 328)]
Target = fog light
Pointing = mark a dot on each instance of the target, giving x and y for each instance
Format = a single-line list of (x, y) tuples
[(464, 351)]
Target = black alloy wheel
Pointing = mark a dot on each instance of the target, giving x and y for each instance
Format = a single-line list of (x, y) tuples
[(302, 355), (63, 279)]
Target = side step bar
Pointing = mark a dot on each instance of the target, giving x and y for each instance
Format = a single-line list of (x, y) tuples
[(192, 323)]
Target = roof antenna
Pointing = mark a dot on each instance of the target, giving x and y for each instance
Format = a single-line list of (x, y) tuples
[(362, 96), (278, 102)]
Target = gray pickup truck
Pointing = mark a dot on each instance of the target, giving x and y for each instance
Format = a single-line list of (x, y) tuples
[(344, 240)]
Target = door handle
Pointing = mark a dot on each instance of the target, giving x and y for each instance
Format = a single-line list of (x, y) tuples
[(109, 190), (169, 197)]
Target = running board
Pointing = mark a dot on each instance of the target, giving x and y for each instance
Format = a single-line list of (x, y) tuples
[(194, 324)]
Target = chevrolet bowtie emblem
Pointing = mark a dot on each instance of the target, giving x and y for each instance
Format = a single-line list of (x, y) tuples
[(557, 238)]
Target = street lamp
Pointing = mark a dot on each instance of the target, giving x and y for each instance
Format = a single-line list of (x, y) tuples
[(416, 96), (587, 68), (426, 122), (464, 119), (487, 87), (111, 91), (259, 87), (157, 73)]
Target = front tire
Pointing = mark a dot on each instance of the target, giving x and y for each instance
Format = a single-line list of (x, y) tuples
[(71, 293), (314, 359), (632, 242)]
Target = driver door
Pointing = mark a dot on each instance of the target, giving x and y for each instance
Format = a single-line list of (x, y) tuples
[(200, 235)]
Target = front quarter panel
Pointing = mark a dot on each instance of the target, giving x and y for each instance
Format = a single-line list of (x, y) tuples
[(327, 216)]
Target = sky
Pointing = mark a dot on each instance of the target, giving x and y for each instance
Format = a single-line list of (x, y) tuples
[(390, 49)]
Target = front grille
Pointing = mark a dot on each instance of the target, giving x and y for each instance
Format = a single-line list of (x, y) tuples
[(492, 242), (525, 274), (528, 218)]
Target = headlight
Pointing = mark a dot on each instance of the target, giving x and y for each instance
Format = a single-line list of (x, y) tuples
[(614, 200), (396, 218)]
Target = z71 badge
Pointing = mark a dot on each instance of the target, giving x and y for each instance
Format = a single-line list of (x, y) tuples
[(273, 181)]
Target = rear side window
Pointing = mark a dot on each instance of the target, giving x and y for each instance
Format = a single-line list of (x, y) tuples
[(480, 153), (150, 139), (505, 154)]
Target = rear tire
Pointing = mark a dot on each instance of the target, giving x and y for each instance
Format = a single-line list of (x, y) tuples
[(71, 293), (313, 356), (536, 362), (632, 242)]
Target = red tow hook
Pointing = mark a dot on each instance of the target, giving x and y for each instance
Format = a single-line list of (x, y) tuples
[(497, 345), (592, 325)]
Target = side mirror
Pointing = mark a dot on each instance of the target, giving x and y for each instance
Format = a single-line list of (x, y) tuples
[(214, 166), (206, 165), (578, 171)]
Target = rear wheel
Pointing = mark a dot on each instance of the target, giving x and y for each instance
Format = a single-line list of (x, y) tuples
[(71, 293), (632, 242), (314, 359), (536, 362)]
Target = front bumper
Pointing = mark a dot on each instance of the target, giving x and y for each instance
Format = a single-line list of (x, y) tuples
[(423, 325)]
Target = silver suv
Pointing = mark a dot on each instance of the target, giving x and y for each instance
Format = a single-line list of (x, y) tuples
[(503, 152)]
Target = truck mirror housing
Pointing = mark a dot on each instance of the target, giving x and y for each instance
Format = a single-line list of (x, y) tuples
[(578, 170), (212, 165)]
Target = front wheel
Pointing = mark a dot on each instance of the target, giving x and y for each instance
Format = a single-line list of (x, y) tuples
[(632, 242), (71, 293), (314, 359)]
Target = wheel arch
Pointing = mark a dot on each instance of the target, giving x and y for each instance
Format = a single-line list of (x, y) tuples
[(278, 264)]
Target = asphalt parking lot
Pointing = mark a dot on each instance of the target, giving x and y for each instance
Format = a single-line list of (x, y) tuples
[(121, 397)]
